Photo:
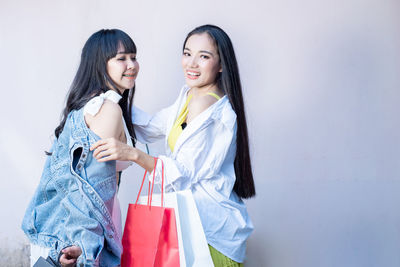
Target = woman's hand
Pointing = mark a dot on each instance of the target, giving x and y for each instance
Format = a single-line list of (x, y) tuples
[(70, 256), (112, 149)]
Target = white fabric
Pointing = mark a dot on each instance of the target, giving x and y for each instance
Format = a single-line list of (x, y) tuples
[(203, 161), (94, 104), (37, 252)]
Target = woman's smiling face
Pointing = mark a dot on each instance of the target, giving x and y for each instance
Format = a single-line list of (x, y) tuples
[(200, 61), (123, 69)]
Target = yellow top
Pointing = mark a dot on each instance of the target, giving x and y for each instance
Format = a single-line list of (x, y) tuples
[(176, 129)]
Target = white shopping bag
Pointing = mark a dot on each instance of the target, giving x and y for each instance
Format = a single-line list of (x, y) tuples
[(193, 246)]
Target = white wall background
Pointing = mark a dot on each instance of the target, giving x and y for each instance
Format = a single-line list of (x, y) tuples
[(321, 84)]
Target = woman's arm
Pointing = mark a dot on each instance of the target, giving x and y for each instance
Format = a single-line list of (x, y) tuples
[(107, 123), (112, 149), (150, 128), (202, 160), (200, 157)]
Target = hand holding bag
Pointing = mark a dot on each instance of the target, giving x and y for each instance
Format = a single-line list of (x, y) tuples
[(150, 236)]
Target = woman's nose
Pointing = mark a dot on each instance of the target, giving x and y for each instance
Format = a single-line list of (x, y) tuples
[(131, 64), (193, 62)]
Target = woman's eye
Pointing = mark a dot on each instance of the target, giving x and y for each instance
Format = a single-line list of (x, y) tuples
[(205, 56), (186, 54), (133, 58), (121, 58)]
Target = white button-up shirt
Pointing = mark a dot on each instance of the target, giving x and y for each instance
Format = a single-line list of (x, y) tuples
[(203, 160)]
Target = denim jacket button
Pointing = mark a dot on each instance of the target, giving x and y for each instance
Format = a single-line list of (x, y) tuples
[(79, 166), (84, 156)]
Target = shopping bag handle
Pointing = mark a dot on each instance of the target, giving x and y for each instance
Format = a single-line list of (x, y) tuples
[(151, 185)]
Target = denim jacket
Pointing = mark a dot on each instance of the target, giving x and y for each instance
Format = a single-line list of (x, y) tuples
[(73, 202)]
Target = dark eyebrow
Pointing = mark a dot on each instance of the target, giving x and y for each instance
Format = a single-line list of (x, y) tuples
[(202, 51), (207, 52)]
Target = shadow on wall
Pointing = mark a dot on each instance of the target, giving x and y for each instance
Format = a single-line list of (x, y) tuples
[(14, 256)]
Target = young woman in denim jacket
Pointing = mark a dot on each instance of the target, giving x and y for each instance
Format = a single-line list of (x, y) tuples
[(74, 216), (206, 143)]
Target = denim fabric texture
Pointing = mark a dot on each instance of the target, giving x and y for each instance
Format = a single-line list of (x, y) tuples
[(73, 202)]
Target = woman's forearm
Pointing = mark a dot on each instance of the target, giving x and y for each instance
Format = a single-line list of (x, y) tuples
[(142, 159)]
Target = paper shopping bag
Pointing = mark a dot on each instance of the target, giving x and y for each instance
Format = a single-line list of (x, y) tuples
[(193, 246), (150, 236), (170, 201)]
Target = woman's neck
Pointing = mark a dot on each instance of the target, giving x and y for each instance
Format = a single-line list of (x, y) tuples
[(118, 90), (200, 91)]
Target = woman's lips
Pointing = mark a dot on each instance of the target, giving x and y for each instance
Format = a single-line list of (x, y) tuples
[(193, 75), (129, 76)]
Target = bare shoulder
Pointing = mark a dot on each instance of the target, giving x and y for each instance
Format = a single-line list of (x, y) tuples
[(107, 122), (200, 104), (110, 108)]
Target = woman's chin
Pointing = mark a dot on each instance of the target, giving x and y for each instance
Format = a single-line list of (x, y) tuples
[(191, 83)]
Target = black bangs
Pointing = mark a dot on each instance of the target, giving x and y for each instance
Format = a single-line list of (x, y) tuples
[(113, 39)]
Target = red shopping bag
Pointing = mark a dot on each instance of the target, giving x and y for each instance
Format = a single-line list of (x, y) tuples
[(150, 237)]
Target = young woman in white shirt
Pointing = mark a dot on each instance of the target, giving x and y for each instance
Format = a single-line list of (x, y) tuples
[(206, 142)]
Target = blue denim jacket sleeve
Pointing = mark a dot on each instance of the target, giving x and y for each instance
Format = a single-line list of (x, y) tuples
[(73, 202)]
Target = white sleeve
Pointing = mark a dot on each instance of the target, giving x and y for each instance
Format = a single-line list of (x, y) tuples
[(149, 129), (201, 158)]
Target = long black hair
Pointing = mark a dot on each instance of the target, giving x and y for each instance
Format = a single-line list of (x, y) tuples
[(92, 77), (229, 81)]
